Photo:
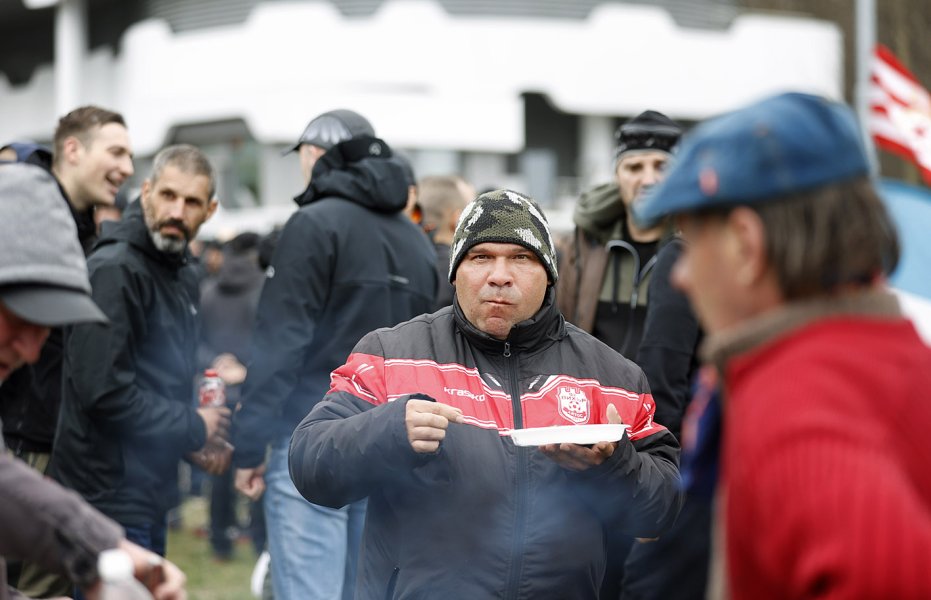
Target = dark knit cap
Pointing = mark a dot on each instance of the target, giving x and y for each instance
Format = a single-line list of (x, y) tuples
[(650, 130), (506, 217)]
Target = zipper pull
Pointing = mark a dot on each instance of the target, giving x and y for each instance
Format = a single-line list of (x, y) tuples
[(507, 350)]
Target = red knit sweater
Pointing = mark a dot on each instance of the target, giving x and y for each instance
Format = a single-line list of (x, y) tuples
[(827, 464)]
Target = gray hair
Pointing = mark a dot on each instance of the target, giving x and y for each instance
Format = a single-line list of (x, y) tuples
[(187, 158)]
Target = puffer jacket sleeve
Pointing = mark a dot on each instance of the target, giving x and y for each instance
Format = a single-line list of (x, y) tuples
[(101, 365), (47, 524), (355, 440), (637, 490)]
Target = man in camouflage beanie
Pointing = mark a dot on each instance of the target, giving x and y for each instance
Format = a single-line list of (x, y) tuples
[(506, 217), (434, 407)]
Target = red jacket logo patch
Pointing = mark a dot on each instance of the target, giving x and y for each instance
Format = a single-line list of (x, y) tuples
[(573, 405)]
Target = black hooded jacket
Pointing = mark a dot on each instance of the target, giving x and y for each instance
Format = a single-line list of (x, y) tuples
[(127, 415), (347, 262)]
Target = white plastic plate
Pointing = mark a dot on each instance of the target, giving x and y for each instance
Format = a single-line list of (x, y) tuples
[(568, 434)]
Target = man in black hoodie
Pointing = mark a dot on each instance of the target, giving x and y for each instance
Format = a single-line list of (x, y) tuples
[(126, 416), (348, 261), (90, 161)]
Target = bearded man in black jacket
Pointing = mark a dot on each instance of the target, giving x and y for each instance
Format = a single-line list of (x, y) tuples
[(127, 416), (348, 261)]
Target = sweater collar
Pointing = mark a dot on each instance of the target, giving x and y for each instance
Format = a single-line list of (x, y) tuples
[(874, 303)]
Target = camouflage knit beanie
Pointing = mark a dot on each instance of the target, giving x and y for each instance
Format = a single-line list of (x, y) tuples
[(506, 217)]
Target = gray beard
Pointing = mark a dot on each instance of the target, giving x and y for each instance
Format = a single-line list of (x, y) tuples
[(168, 245)]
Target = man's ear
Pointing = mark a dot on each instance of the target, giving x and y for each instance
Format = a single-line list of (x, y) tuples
[(71, 150), (212, 207), (145, 191), (453, 219), (749, 246)]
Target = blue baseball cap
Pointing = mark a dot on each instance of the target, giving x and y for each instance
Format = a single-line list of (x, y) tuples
[(781, 145)]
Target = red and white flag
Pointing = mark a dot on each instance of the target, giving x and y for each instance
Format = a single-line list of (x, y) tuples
[(900, 111)]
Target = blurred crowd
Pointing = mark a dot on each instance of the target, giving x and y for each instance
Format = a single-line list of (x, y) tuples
[(729, 400)]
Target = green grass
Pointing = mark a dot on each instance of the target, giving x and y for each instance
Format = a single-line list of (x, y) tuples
[(207, 578)]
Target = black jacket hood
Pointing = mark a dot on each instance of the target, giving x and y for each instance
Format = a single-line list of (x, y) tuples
[(360, 170)]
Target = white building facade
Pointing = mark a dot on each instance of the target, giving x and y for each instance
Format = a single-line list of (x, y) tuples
[(527, 98)]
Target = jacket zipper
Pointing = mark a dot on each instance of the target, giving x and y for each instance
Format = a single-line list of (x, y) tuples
[(616, 269), (522, 476), (639, 275), (392, 583)]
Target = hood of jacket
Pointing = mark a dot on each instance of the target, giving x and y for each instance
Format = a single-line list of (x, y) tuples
[(600, 213), (83, 220), (132, 230), (359, 170)]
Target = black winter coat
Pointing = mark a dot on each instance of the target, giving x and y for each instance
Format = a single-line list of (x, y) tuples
[(483, 518), (127, 414), (347, 262)]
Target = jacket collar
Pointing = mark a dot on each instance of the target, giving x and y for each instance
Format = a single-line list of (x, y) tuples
[(600, 214), (875, 303), (540, 330)]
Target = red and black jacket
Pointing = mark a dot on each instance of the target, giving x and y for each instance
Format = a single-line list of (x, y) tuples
[(483, 518)]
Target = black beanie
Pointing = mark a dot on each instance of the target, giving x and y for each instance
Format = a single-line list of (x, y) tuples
[(650, 130)]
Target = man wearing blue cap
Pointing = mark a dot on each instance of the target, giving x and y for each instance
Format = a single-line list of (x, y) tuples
[(825, 486)]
